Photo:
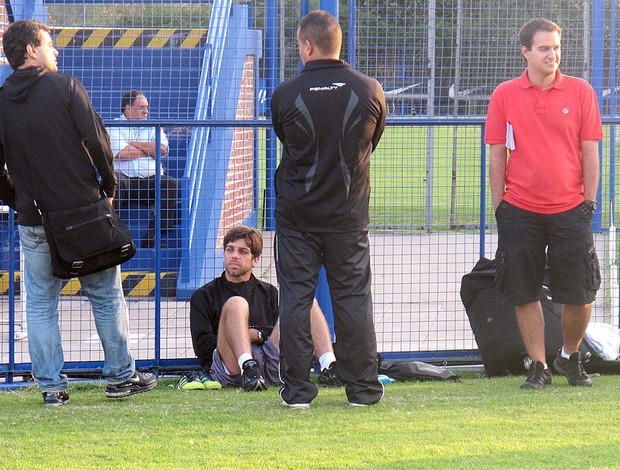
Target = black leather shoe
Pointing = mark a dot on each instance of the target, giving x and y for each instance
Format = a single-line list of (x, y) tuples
[(573, 369), (537, 377)]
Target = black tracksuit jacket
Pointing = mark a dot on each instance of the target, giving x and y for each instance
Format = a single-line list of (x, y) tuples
[(53, 143), (323, 180)]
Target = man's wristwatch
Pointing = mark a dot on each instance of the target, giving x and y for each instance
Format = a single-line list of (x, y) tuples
[(591, 204)]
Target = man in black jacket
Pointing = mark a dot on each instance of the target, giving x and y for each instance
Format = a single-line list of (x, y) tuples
[(329, 119), (234, 324), (53, 143)]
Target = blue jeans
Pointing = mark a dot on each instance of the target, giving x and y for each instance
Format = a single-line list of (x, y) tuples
[(105, 292)]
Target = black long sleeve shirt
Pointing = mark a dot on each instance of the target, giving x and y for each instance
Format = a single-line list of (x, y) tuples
[(53, 143), (329, 119), (206, 309)]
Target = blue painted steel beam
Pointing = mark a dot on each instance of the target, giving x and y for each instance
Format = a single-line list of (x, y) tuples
[(322, 293), (352, 37), (271, 82), (90, 2), (12, 243), (598, 67), (330, 6)]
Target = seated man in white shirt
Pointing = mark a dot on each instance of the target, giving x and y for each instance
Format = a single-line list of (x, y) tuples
[(134, 151)]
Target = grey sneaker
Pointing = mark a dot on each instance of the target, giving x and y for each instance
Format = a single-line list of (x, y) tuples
[(573, 369), (537, 377), (139, 382), (55, 398)]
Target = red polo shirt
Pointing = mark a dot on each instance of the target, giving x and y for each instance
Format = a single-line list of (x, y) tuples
[(544, 172)]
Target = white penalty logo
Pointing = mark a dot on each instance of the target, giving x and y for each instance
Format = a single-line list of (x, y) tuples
[(333, 86)]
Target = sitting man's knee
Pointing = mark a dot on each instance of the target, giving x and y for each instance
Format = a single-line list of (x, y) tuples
[(236, 304)]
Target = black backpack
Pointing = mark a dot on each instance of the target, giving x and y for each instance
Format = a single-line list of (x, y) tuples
[(494, 323)]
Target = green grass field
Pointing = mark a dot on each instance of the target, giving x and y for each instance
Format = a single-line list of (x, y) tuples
[(476, 423), (402, 166)]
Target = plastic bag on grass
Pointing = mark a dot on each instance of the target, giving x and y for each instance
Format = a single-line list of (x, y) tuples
[(603, 339)]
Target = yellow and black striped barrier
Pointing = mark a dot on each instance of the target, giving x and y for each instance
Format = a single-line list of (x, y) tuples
[(92, 38), (135, 284)]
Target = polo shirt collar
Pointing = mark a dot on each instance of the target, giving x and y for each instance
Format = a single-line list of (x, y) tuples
[(525, 83)]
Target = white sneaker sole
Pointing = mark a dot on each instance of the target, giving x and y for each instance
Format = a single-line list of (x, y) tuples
[(296, 406)]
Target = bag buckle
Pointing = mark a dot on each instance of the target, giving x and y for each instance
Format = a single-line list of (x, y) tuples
[(77, 264), (125, 250)]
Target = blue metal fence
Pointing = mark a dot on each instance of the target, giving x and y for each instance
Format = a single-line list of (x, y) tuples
[(418, 312), (430, 219)]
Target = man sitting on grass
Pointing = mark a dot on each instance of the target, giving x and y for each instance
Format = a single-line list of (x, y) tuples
[(234, 325)]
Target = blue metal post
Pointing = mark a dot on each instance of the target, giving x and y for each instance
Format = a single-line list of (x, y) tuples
[(483, 192), (598, 67), (157, 247), (9, 378), (304, 8), (322, 289), (271, 82), (330, 6), (613, 103), (351, 38)]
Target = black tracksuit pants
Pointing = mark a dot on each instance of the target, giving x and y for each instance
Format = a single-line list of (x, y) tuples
[(346, 257)]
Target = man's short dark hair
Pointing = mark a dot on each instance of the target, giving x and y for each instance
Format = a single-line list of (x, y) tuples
[(322, 30), (129, 97), (19, 35), (252, 237), (526, 34)]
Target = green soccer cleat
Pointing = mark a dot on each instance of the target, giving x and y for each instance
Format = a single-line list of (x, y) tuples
[(198, 380), (207, 382)]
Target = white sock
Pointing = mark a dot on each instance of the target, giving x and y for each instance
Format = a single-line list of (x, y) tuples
[(244, 357), (564, 354), (326, 360)]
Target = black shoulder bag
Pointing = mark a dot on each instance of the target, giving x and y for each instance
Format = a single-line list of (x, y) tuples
[(87, 239)]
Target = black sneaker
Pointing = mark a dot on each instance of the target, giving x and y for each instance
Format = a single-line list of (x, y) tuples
[(329, 378), (573, 369), (537, 377), (139, 382), (252, 378), (55, 398)]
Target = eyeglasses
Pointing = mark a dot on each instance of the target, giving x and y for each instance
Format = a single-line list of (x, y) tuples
[(141, 108)]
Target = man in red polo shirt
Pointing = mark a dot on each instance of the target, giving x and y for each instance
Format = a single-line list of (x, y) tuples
[(543, 129)]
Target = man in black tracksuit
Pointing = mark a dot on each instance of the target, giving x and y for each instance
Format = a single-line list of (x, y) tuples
[(329, 119)]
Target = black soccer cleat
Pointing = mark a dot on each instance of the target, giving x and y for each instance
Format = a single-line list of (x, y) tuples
[(252, 378)]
